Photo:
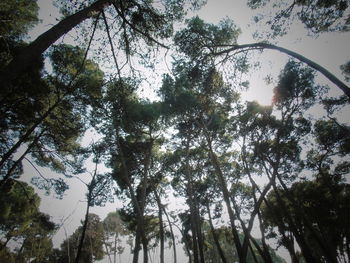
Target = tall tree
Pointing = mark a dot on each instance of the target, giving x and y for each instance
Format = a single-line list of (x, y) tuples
[(92, 248)]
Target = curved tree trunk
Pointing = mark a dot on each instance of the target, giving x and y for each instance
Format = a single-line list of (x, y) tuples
[(309, 62), (35, 49)]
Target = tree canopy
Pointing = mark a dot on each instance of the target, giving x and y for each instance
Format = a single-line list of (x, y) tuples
[(196, 171)]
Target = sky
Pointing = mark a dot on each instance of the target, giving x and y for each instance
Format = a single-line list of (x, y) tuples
[(329, 50)]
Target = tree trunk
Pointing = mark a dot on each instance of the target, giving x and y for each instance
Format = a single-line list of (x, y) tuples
[(215, 237), (81, 241), (172, 234), (309, 62), (226, 196), (193, 229), (115, 249), (190, 194), (161, 226), (140, 232), (25, 136), (35, 49), (305, 249), (107, 250), (19, 160), (198, 227), (137, 247), (329, 253)]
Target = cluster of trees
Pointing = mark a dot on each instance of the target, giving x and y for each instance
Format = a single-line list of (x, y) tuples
[(28, 232), (243, 169)]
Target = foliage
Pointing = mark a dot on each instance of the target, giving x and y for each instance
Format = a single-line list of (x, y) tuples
[(17, 18), (317, 16), (198, 140), (23, 223), (93, 243), (227, 244), (323, 202)]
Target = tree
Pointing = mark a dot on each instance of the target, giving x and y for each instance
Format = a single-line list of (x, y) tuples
[(59, 109), (325, 201), (131, 126), (114, 228), (317, 17), (140, 18), (227, 243), (98, 193), (22, 222), (92, 248), (216, 45), (19, 204), (37, 244), (15, 24)]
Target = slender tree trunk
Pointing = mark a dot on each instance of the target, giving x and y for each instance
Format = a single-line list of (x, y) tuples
[(145, 249), (19, 160), (215, 236), (82, 237), (141, 222), (115, 249), (263, 239), (247, 231), (26, 135), (226, 196), (305, 249), (137, 247), (172, 234), (198, 227), (190, 194), (193, 230), (140, 232), (253, 253), (161, 226), (107, 250), (35, 49), (309, 62), (328, 252)]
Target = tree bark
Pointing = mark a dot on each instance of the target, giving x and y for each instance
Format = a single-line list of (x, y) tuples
[(329, 253), (26, 135), (226, 195), (19, 160), (140, 232), (35, 49), (215, 236), (341, 85), (161, 226), (137, 247), (172, 234), (190, 193), (81, 241)]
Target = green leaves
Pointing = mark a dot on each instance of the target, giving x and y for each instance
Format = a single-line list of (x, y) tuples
[(317, 16), (17, 17), (199, 37), (296, 83)]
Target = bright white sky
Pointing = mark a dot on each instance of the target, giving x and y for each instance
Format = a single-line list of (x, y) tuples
[(329, 50)]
